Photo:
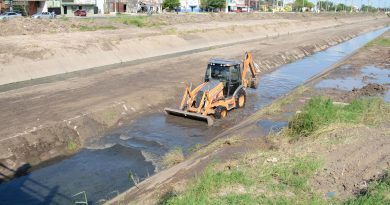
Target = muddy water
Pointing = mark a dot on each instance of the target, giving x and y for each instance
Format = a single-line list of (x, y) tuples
[(102, 168), (368, 74)]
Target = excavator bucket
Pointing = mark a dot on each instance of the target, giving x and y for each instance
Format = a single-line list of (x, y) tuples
[(190, 115)]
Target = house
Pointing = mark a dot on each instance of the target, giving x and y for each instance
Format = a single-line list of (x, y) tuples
[(54, 6), (30, 7), (2, 6), (68, 7), (243, 5), (190, 5)]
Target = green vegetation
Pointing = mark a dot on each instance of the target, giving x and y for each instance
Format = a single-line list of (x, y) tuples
[(382, 41), (285, 183), (170, 4), (300, 4), (72, 145), (320, 112), (211, 5), (368, 8), (173, 157), (203, 188), (377, 193), (95, 28), (138, 21), (195, 148)]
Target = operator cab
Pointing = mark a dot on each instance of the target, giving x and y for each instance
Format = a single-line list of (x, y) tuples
[(226, 71)]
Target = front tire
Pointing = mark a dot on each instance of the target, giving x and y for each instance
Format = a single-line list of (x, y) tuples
[(220, 112)]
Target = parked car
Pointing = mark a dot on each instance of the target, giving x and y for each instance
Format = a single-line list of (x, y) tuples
[(80, 12), (9, 15), (43, 15)]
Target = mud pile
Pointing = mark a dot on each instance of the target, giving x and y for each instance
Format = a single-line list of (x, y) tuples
[(372, 89)]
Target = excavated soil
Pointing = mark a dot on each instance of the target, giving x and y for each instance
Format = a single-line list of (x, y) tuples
[(372, 89)]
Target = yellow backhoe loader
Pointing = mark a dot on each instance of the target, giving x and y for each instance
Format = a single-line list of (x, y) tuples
[(223, 89)]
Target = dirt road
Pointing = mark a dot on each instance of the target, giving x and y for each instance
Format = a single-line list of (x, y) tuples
[(39, 121)]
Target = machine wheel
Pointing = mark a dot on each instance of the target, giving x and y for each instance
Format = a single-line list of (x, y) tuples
[(240, 99), (220, 112), (198, 98)]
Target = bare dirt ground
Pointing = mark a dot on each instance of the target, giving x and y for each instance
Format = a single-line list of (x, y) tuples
[(29, 26), (89, 104), (353, 156)]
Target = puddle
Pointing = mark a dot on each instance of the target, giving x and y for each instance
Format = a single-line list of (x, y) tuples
[(269, 126), (368, 74), (138, 147)]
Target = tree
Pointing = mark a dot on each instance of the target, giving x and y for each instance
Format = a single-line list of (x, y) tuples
[(326, 5), (343, 7), (204, 4), (212, 4), (217, 4), (170, 4), (299, 4), (368, 8)]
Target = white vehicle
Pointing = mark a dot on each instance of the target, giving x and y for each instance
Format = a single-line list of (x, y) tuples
[(9, 15), (43, 15)]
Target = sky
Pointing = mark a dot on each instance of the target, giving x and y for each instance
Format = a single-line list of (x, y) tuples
[(375, 3)]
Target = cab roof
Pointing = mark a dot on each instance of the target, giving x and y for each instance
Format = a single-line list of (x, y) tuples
[(225, 62)]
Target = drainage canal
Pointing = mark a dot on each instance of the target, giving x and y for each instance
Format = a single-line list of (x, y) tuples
[(102, 168)]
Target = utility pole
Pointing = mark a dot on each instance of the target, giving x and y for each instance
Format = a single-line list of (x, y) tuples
[(327, 5), (320, 5), (351, 5)]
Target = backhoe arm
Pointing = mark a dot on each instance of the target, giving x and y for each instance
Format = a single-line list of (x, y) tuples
[(248, 65)]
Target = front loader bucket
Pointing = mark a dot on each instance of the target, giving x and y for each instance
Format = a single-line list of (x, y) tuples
[(190, 115)]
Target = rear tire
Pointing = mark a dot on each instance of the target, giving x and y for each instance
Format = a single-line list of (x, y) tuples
[(240, 99), (220, 112)]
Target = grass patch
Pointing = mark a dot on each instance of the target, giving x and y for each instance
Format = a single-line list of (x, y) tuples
[(95, 28), (139, 21), (206, 185), (377, 193), (72, 145), (378, 42), (320, 112), (195, 148), (246, 184), (174, 156)]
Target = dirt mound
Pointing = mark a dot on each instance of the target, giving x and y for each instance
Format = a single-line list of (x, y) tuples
[(371, 89)]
